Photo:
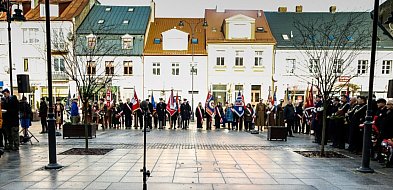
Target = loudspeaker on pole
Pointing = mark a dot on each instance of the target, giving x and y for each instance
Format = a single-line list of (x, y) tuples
[(23, 83)]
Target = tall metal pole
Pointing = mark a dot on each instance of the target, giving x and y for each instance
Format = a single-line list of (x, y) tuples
[(192, 73), (51, 120), (365, 167), (9, 44)]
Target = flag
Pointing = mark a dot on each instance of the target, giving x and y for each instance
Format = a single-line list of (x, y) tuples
[(274, 99), (108, 97), (347, 92), (135, 102), (171, 107), (239, 105), (310, 99), (153, 102), (209, 104), (177, 102)]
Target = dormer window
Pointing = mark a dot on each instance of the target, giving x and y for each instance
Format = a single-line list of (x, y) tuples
[(127, 42), (239, 27), (285, 37), (194, 40), (53, 10), (126, 21), (130, 9), (91, 41), (101, 21), (108, 9)]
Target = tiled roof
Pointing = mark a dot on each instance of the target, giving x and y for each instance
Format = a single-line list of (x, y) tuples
[(283, 24), (164, 24), (216, 20), (74, 8), (111, 20)]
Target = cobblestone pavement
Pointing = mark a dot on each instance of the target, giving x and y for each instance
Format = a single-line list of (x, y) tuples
[(186, 159)]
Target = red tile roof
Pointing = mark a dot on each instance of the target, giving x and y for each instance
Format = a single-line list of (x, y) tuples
[(74, 8)]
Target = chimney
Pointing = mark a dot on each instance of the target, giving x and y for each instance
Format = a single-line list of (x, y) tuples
[(282, 9), (220, 9), (259, 13), (152, 11), (299, 9), (332, 9)]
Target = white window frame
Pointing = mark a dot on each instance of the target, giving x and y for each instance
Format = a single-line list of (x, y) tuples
[(111, 66), (362, 67), (57, 64), (291, 65), (338, 66), (58, 39), (89, 67), (387, 67), (258, 60), (313, 65), (175, 68), (30, 35), (156, 68), (239, 58), (220, 60), (91, 41), (127, 42), (127, 65)]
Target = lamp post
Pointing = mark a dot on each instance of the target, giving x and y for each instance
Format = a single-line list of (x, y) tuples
[(6, 7), (51, 120), (192, 26), (365, 167)]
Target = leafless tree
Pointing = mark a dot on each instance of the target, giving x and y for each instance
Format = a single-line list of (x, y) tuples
[(330, 43)]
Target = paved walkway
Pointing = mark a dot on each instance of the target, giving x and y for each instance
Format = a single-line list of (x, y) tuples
[(186, 159)]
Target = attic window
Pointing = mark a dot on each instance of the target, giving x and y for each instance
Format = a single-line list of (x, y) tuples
[(350, 38), (157, 41), (108, 9), (194, 40), (130, 9), (101, 21), (260, 29), (126, 21), (285, 37)]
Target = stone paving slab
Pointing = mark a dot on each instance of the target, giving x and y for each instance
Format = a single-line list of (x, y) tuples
[(181, 167)]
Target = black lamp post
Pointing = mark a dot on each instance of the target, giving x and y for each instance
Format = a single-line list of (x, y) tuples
[(365, 167), (51, 120), (17, 16), (193, 29)]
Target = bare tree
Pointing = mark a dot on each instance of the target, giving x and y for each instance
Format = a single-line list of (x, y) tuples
[(330, 43)]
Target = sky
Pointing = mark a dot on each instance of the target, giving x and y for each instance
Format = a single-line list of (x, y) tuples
[(195, 8)]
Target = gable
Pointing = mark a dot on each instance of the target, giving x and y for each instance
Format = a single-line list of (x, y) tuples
[(174, 33), (240, 17), (174, 39)]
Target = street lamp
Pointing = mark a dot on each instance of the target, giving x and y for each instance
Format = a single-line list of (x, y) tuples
[(17, 16), (390, 21), (192, 26), (51, 120), (365, 167)]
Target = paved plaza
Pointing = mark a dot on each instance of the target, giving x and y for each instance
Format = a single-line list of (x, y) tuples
[(186, 159)]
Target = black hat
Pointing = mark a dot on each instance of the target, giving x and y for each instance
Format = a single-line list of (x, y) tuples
[(43, 99), (381, 100), (161, 99), (5, 90), (147, 99), (185, 99)]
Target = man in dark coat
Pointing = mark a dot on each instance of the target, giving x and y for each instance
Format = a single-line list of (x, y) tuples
[(121, 106), (127, 112), (341, 127), (43, 114), (161, 113), (358, 117), (11, 120), (289, 117), (199, 112), (387, 127), (185, 111), (318, 119)]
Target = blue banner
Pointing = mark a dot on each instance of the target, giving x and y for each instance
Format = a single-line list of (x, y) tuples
[(239, 105)]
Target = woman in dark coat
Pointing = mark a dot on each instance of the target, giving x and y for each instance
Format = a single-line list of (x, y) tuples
[(217, 116), (248, 117), (43, 114), (199, 112)]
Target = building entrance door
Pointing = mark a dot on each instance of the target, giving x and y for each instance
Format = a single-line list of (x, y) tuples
[(255, 94)]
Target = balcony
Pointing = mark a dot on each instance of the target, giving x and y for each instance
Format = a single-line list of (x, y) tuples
[(60, 76)]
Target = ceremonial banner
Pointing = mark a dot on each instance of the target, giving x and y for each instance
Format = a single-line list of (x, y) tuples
[(239, 105), (135, 102), (153, 102), (171, 107), (209, 104)]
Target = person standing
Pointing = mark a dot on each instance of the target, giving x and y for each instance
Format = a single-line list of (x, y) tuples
[(248, 117), (59, 108), (199, 112), (209, 118), (43, 115), (260, 112), (217, 116), (289, 117), (318, 119), (11, 120), (127, 112), (74, 112), (121, 105), (341, 127), (150, 115), (25, 114), (298, 117), (185, 110), (358, 117), (280, 114), (229, 116), (161, 109)]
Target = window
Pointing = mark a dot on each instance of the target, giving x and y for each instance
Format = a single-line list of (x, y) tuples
[(109, 68), (101, 21), (30, 35), (314, 66), (91, 68), (194, 40), (193, 69), (239, 58), (291, 65), (58, 65), (337, 66), (220, 58), (127, 67), (58, 39), (387, 67), (238, 88), (127, 42), (157, 41), (362, 66), (258, 58), (91, 41), (156, 69), (130, 9), (126, 21), (175, 68), (25, 65), (108, 9)]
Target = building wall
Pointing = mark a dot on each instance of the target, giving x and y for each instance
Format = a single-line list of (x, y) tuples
[(248, 75)]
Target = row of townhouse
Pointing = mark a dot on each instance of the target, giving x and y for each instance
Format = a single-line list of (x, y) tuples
[(225, 52)]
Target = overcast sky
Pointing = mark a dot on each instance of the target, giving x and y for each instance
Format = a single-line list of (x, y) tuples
[(195, 8)]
